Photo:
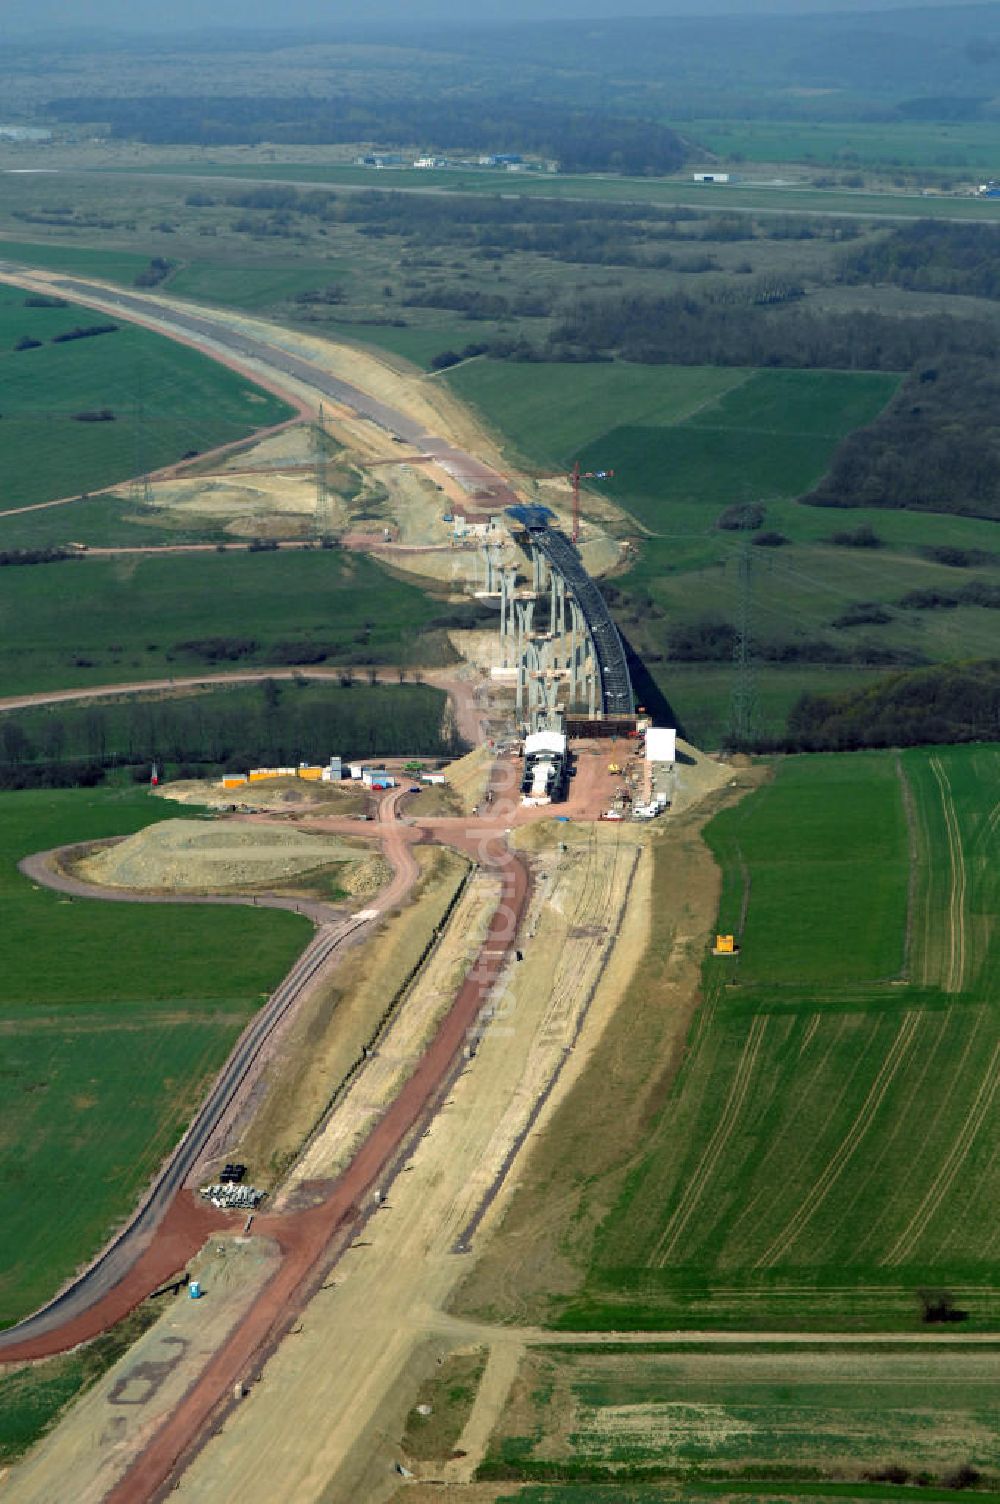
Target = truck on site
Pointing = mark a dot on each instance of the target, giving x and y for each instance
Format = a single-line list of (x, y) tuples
[(546, 767)]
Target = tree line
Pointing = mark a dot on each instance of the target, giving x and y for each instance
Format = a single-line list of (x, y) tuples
[(686, 329), (929, 256), (579, 140), (953, 702), (935, 448), (278, 722)]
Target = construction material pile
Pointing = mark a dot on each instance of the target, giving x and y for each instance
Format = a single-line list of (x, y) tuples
[(234, 1198), (208, 855)]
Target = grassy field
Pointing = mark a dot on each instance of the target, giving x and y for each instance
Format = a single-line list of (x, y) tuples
[(680, 439), (661, 191), (251, 287), (757, 1415), (101, 621), (901, 144), (548, 414), (283, 722), (698, 694), (115, 1018), (107, 522), (190, 403), (109, 263), (825, 1151)]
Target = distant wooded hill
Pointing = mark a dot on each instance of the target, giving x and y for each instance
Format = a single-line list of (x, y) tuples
[(580, 141)]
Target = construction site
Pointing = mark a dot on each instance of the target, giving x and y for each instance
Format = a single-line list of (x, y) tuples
[(476, 924)]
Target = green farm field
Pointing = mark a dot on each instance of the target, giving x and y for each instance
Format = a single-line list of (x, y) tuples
[(109, 263), (115, 1017), (103, 621), (190, 403), (107, 521), (750, 1414), (946, 148), (825, 1151), (251, 286)]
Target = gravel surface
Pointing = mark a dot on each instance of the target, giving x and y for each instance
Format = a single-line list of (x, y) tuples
[(211, 854)]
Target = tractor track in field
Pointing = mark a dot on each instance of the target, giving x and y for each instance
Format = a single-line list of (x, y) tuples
[(902, 1249), (730, 1114), (849, 1144), (955, 972), (807, 1089)]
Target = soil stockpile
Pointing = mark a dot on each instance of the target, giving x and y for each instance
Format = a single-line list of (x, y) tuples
[(203, 854)]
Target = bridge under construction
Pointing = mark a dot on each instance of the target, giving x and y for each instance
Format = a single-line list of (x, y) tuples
[(557, 636)]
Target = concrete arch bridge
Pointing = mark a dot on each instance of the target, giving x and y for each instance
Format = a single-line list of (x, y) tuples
[(558, 640)]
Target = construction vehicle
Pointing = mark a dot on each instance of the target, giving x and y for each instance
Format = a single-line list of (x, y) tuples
[(614, 768)]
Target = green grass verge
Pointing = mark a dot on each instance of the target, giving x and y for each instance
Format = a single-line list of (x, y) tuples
[(190, 403), (825, 1150), (32, 1398), (104, 621), (115, 1018)]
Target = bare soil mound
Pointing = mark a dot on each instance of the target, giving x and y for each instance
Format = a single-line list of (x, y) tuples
[(199, 855)]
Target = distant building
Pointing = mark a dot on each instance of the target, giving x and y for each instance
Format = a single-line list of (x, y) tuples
[(989, 190), (713, 177)]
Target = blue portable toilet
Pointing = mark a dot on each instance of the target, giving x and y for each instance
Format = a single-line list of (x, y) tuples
[(194, 1289)]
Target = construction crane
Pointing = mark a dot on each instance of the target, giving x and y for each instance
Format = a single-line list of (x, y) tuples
[(576, 475)]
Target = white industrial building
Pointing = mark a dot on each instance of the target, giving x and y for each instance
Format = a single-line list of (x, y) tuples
[(661, 744)]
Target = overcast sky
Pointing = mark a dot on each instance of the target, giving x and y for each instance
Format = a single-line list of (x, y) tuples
[(166, 15)]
